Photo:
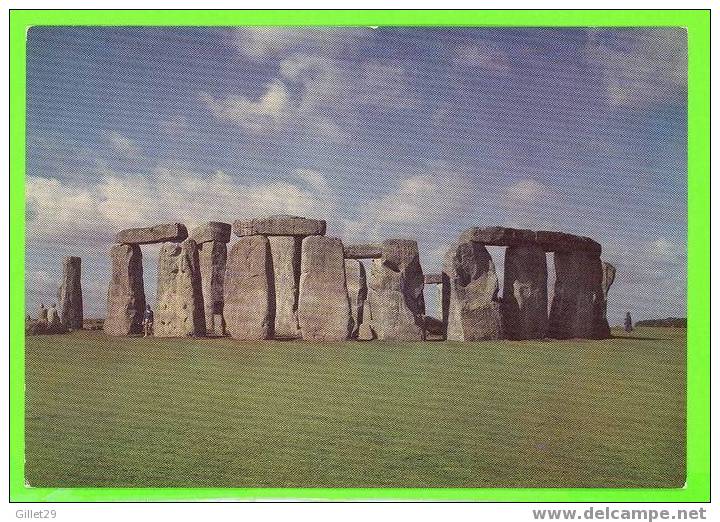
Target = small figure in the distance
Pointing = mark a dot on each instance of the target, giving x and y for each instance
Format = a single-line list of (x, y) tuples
[(43, 313), (628, 322), (148, 321), (54, 317)]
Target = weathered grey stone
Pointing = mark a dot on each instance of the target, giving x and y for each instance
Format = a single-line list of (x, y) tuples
[(324, 306), (285, 252), (524, 303), (370, 251), (70, 295), (396, 292), (212, 256), (498, 236), (549, 241), (602, 327), (433, 279), (212, 231), (249, 289), (562, 242), (154, 234), (473, 311), (281, 225), (357, 291), (578, 296), (366, 333), (126, 292), (179, 309)]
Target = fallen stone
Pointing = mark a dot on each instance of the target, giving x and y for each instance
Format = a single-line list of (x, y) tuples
[(126, 292), (212, 231), (357, 291), (397, 283), (578, 296), (433, 279), (524, 303), (70, 295), (285, 252), (281, 225), (180, 310), (154, 234), (371, 251), (473, 312), (324, 306), (249, 290), (212, 256)]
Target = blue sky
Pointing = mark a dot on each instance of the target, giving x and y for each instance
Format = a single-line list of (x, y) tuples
[(390, 132)]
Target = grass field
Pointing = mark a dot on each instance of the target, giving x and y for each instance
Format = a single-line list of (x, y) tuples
[(104, 411)]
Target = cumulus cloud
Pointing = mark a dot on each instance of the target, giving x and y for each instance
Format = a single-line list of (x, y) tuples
[(641, 66), (259, 43), (124, 145), (90, 214)]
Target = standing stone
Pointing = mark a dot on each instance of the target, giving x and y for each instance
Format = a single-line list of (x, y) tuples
[(524, 302), (578, 296), (602, 327), (473, 311), (324, 306), (212, 256), (396, 289), (285, 251), (70, 295), (357, 290), (250, 290), (126, 293), (179, 311)]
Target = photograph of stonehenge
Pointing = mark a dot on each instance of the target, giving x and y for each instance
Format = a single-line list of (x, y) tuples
[(284, 279), (407, 257)]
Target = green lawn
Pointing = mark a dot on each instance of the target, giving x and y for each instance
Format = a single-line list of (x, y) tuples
[(105, 411)]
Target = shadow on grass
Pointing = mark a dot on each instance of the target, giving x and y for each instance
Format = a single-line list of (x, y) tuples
[(638, 338)]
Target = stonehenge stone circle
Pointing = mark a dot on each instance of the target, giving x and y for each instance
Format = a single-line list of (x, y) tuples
[(70, 295), (179, 310), (126, 292), (524, 303), (474, 309), (396, 292), (212, 241), (212, 231), (285, 251), (357, 291), (371, 251), (281, 225), (577, 301), (323, 305), (249, 290), (154, 234), (284, 279)]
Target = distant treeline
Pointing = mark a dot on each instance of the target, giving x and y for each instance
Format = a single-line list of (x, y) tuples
[(672, 322)]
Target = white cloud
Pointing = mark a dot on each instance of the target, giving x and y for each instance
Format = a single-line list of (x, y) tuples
[(260, 43), (483, 56), (527, 191), (645, 66), (175, 125), (270, 111), (124, 145)]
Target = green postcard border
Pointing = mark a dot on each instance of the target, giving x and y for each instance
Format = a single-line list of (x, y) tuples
[(697, 22)]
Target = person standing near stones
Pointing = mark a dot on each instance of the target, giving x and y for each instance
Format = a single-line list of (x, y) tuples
[(43, 313), (148, 319), (628, 322)]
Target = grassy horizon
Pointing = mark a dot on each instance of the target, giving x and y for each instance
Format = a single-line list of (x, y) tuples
[(112, 412)]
